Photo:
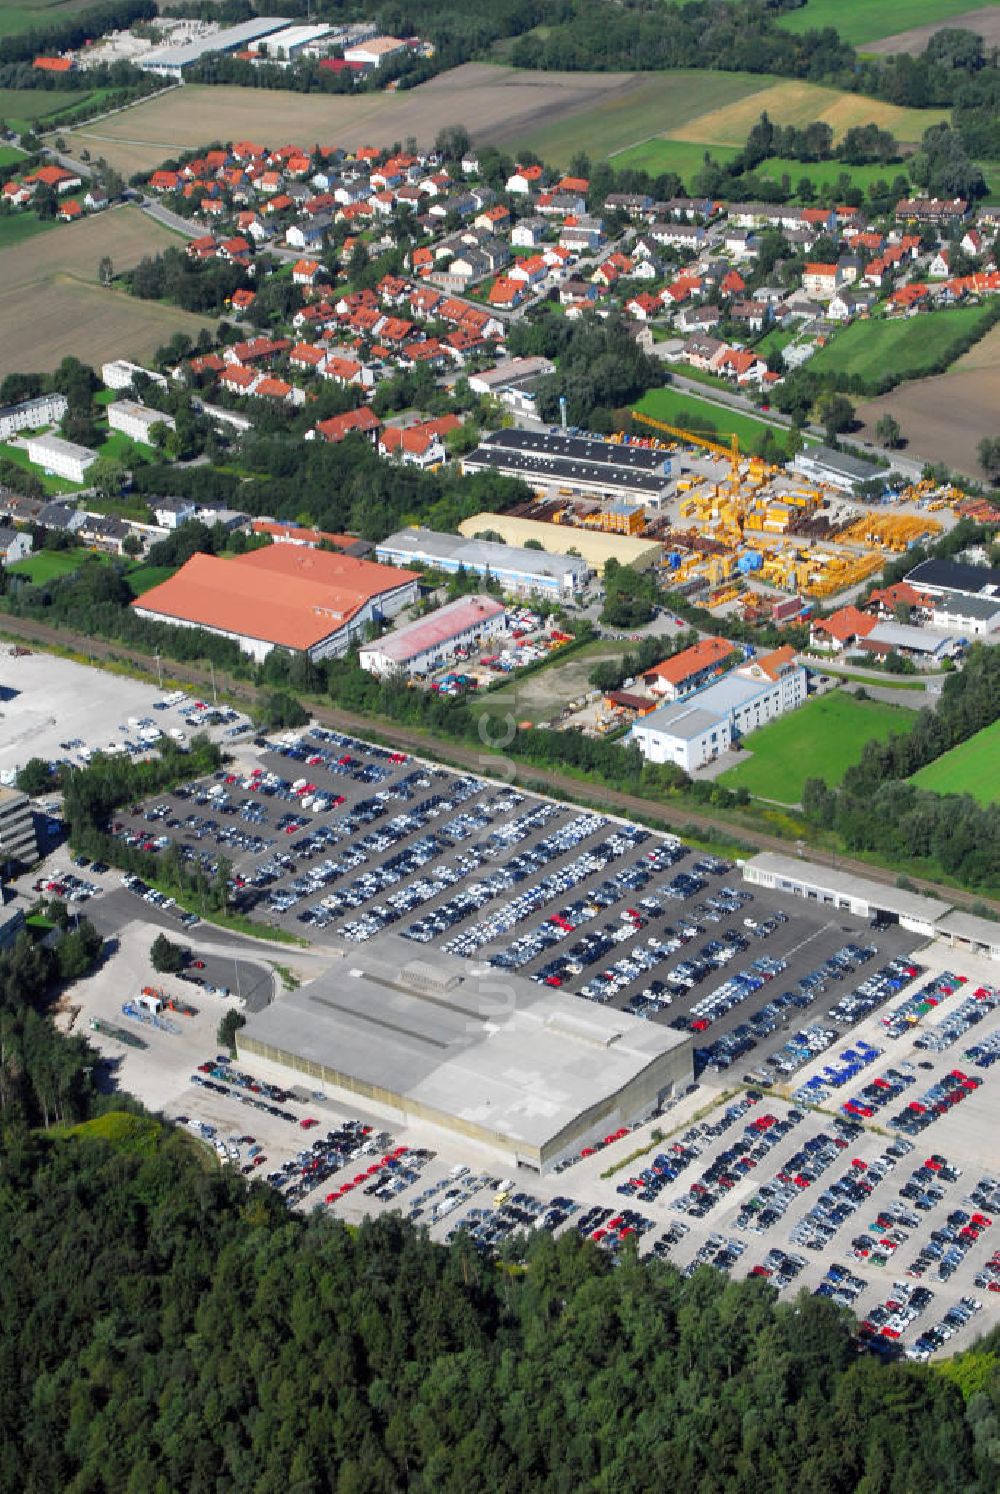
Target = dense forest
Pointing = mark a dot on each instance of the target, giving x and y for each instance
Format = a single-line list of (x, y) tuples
[(168, 1327)]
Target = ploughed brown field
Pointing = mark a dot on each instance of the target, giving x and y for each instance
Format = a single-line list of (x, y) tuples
[(491, 102), (945, 417), (985, 21), (52, 304)]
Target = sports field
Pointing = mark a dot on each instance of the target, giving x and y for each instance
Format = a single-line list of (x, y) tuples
[(822, 739), (700, 415), (909, 346), (971, 768), (861, 21), (51, 303)]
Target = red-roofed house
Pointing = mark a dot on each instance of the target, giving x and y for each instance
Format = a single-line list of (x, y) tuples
[(363, 422), (688, 670), (506, 293), (306, 271), (821, 281), (841, 630), (57, 177)]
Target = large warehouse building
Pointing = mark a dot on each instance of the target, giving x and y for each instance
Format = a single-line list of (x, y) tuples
[(532, 1074), (308, 601), (593, 546), (585, 464), (521, 572)]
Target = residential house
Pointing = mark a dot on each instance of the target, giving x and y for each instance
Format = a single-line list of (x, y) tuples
[(15, 545), (524, 180), (528, 233), (842, 631), (821, 281)]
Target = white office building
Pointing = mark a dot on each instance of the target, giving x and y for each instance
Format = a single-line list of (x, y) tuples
[(31, 414), (698, 729), (120, 374), (137, 421), (60, 458)]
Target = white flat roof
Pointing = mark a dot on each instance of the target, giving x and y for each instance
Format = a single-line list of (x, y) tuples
[(861, 889)]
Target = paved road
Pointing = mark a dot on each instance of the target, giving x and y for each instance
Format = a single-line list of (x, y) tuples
[(488, 761), (724, 399)]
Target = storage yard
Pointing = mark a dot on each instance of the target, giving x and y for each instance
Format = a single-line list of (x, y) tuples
[(726, 527)]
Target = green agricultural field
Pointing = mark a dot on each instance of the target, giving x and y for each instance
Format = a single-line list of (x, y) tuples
[(680, 408), (23, 15), (911, 347), (49, 565), (16, 227), (860, 21), (820, 740), (10, 155), (826, 173), (991, 173), (685, 157), (970, 768), (33, 106), (655, 104)]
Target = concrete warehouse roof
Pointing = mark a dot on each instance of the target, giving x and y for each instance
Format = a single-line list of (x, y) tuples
[(427, 632), (460, 1042), (229, 39), (979, 607), (595, 547), (283, 594), (427, 545)]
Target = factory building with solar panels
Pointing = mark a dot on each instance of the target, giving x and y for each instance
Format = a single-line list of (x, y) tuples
[(587, 465), (530, 1073)]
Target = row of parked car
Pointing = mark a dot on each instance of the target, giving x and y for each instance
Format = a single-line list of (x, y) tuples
[(842, 1198), (967, 1015), (949, 1091), (935, 1337), (904, 1017), (734, 1162)]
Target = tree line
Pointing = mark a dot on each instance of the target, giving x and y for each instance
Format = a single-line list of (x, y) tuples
[(168, 1325), (877, 808)]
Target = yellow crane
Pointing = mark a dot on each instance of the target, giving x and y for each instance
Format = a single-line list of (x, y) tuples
[(730, 452)]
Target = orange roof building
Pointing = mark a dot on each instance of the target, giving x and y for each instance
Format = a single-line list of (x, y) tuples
[(689, 669), (842, 629), (284, 596)]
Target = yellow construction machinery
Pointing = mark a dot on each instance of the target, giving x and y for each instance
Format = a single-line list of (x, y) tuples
[(730, 452)]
